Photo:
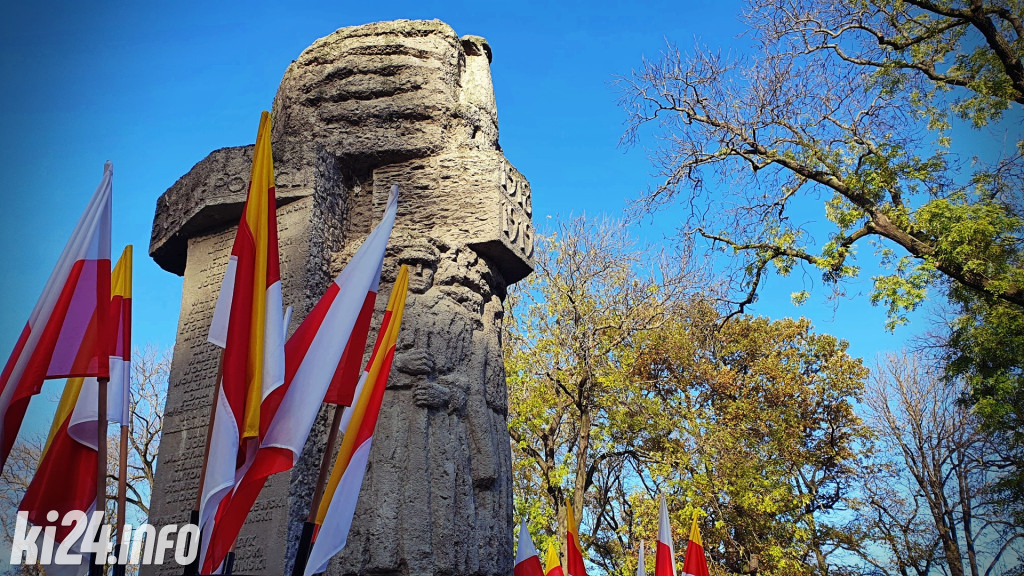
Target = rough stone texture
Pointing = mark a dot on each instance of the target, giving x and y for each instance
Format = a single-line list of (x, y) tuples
[(407, 103)]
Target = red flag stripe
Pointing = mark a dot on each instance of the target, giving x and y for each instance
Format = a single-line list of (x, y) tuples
[(696, 564), (41, 359), (52, 489), (343, 385), (529, 567), (663, 561)]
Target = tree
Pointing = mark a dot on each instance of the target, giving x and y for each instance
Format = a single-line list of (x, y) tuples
[(151, 369), (624, 383), (854, 102), (14, 481), (933, 508), (568, 337), (768, 444)]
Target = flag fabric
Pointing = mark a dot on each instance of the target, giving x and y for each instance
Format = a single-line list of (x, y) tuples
[(695, 564), (119, 320), (664, 560), (527, 560), (334, 517), (553, 567), (248, 325), (343, 385), (65, 479), (641, 570), (62, 338), (312, 355), (574, 552)]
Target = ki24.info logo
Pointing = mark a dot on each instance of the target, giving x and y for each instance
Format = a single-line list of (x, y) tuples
[(89, 536)]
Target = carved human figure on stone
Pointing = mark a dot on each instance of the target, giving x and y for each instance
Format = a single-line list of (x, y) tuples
[(491, 455), (419, 477)]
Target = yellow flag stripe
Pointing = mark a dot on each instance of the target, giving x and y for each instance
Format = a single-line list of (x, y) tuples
[(257, 218), (695, 530), (552, 561), (68, 399), (121, 276), (396, 304)]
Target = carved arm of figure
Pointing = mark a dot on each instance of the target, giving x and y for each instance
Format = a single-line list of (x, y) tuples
[(441, 394), (414, 365)]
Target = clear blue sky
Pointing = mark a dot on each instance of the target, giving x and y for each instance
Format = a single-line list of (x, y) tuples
[(155, 86)]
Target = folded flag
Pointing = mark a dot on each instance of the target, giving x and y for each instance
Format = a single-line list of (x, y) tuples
[(553, 567), (527, 560), (65, 479), (248, 325), (574, 552)]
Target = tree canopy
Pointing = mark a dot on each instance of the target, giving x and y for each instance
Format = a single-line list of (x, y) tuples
[(623, 384), (833, 139)]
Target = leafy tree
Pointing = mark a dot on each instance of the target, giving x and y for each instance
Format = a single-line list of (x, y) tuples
[(624, 384), (846, 109), (567, 342), (768, 443)]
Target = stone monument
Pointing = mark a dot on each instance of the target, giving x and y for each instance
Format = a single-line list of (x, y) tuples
[(407, 103)]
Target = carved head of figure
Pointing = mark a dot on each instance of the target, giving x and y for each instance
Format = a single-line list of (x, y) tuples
[(422, 260)]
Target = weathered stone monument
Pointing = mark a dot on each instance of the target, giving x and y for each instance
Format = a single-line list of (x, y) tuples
[(407, 103)]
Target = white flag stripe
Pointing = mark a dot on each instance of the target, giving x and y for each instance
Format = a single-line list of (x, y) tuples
[(338, 520), (222, 310), (665, 531), (82, 426), (273, 339), (220, 468), (301, 403), (284, 324), (526, 548)]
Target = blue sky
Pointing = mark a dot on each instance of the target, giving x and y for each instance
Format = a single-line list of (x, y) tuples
[(155, 86)]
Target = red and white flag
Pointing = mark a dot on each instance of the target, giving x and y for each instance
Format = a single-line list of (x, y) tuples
[(65, 479), (695, 564), (248, 325), (312, 356), (65, 334), (665, 559), (527, 560), (338, 505)]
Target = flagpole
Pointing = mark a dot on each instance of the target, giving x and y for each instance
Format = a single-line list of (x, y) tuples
[(309, 526), (193, 568), (229, 562), (100, 558), (122, 496)]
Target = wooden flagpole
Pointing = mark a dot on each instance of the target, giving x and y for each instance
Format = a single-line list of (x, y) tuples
[(309, 526), (122, 496), (100, 558)]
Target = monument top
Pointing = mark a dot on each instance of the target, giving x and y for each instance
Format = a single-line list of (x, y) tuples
[(405, 99)]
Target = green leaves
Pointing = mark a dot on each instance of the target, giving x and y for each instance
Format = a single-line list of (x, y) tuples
[(623, 384)]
